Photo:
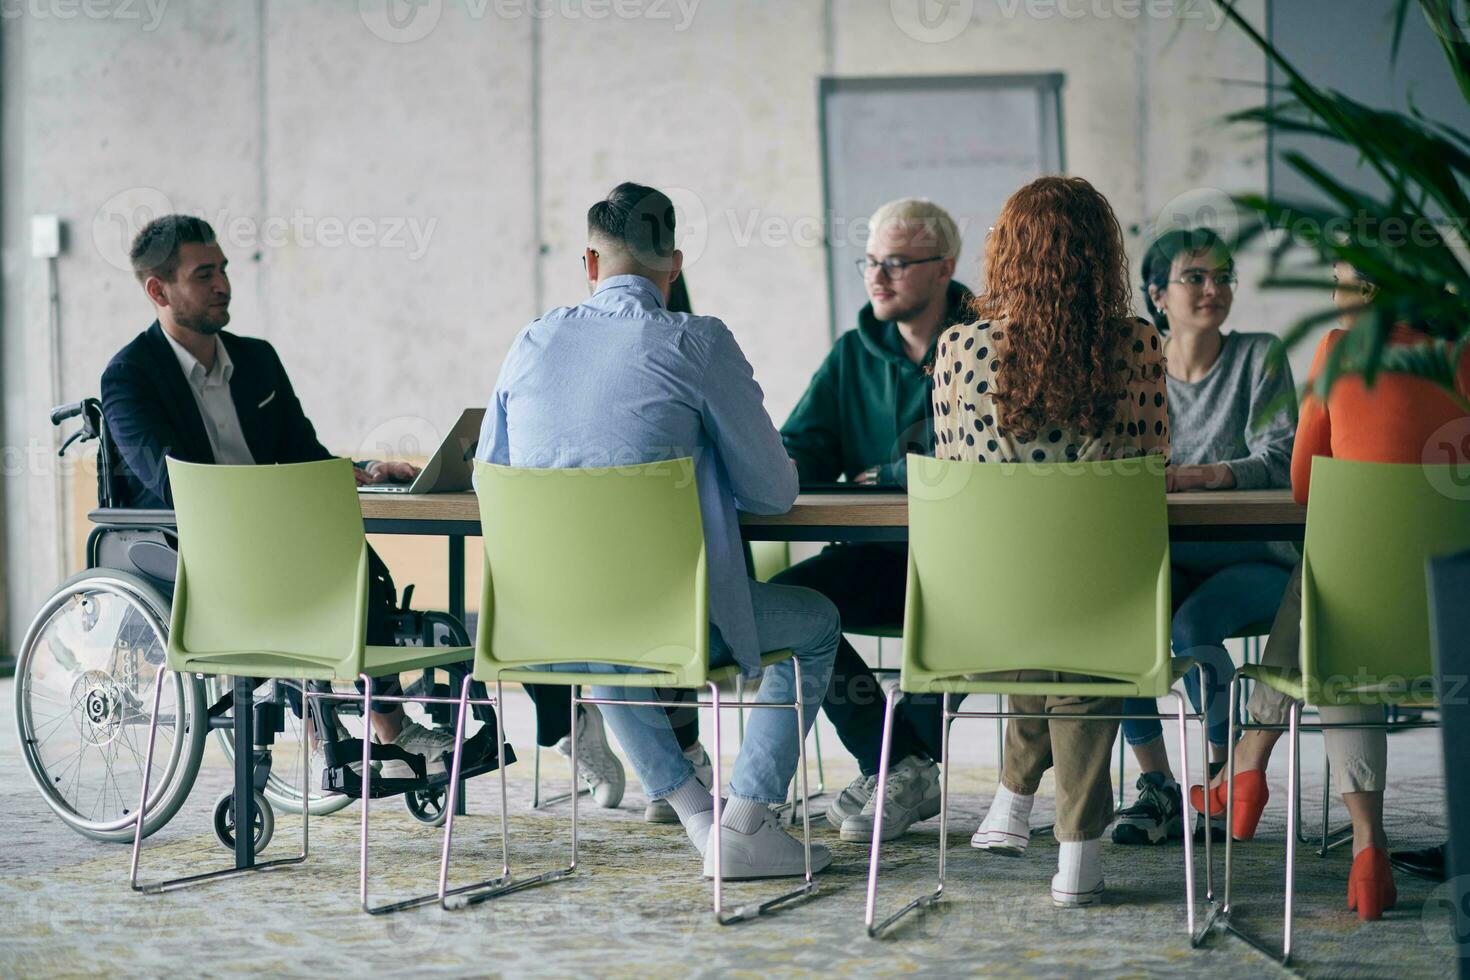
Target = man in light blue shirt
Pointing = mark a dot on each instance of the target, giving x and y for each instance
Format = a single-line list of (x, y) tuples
[(619, 380)]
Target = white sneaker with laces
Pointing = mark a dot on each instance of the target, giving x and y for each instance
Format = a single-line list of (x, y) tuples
[(1006, 828), (414, 738), (597, 767), (912, 795), (660, 811), (768, 852), (850, 802)]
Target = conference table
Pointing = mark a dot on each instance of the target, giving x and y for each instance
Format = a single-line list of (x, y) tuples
[(853, 516)]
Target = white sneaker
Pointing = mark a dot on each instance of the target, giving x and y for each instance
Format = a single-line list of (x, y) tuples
[(768, 852), (912, 795), (415, 739), (599, 770), (1079, 877), (1006, 828), (850, 802), (698, 829), (661, 811)]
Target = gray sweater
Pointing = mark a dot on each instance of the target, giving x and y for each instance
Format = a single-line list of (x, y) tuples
[(1222, 418)]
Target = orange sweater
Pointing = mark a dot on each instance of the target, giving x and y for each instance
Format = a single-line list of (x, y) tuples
[(1389, 423)]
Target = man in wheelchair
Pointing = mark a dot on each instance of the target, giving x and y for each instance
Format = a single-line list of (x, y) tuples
[(186, 388)]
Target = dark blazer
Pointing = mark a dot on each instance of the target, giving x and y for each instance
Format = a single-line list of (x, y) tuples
[(151, 414)]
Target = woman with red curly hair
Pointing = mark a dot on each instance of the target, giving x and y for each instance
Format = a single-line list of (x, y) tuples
[(1055, 369)]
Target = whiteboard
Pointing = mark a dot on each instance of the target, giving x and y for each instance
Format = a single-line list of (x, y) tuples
[(965, 142)]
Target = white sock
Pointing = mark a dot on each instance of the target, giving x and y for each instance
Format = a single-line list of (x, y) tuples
[(1079, 866), (695, 753)]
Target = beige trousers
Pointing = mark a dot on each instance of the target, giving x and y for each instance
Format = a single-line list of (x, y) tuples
[(1359, 757), (1081, 751)]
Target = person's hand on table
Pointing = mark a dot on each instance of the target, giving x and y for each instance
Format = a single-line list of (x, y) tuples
[(385, 471), (867, 477), (1206, 476)]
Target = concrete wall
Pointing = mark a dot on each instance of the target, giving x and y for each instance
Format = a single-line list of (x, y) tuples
[(398, 197)]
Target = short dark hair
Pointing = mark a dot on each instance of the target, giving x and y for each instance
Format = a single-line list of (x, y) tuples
[(155, 250), (639, 218), (1160, 260)]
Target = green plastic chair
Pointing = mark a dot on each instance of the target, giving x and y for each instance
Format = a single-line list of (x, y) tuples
[(604, 566), (1084, 551), (1371, 527), (272, 581)]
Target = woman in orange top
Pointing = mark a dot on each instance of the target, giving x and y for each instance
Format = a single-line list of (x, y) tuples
[(1392, 422)]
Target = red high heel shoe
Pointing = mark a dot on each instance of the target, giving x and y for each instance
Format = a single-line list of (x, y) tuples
[(1251, 795), (1370, 884)]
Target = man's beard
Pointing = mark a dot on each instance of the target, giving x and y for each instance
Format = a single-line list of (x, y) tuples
[(205, 322)]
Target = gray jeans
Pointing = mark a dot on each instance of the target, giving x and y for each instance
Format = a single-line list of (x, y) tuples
[(1359, 756)]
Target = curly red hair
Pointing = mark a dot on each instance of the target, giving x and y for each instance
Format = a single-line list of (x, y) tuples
[(1056, 278)]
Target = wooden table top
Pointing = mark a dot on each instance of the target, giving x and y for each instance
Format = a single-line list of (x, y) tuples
[(1218, 508)]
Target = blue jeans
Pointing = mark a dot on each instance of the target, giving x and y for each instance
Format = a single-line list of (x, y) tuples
[(786, 617), (1209, 606)]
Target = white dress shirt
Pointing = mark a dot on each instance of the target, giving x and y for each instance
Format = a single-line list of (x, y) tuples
[(212, 394)]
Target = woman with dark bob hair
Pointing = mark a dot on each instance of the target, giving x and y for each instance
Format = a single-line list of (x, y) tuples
[(1055, 369)]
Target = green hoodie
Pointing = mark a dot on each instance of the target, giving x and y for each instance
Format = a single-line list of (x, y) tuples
[(868, 404)]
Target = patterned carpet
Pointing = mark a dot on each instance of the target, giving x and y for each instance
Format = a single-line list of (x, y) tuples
[(637, 906)]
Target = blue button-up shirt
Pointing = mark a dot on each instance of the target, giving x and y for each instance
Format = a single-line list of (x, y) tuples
[(619, 380)]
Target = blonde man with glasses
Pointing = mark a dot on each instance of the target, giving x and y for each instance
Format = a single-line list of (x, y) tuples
[(866, 408)]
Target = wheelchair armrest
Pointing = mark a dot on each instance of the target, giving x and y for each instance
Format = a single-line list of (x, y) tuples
[(131, 517)]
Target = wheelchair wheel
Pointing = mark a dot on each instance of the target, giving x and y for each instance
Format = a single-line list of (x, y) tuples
[(84, 687), (428, 806), (224, 821), (283, 787)]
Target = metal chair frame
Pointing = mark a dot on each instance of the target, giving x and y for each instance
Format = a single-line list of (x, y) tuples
[(1182, 716), (504, 884)]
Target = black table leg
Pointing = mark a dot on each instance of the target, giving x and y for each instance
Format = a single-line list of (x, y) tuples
[(244, 736), (456, 609)]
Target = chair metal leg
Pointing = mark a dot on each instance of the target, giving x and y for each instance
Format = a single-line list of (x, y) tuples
[(1000, 734), (875, 852), (156, 887), (1179, 697), (1332, 837), (1292, 777), (483, 891), (537, 803), (808, 886), (1122, 750)]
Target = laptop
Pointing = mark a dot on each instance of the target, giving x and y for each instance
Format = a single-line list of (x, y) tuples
[(451, 468)]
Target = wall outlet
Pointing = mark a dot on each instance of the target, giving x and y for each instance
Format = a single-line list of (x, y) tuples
[(45, 236)]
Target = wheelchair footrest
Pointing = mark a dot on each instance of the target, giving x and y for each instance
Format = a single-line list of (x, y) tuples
[(479, 758)]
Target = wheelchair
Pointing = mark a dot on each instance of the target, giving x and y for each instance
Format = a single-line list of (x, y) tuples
[(86, 670)]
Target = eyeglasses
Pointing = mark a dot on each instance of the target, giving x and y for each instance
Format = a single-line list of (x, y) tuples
[(893, 268), (1196, 280)]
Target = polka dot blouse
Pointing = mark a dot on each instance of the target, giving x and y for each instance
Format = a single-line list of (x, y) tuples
[(965, 426)]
